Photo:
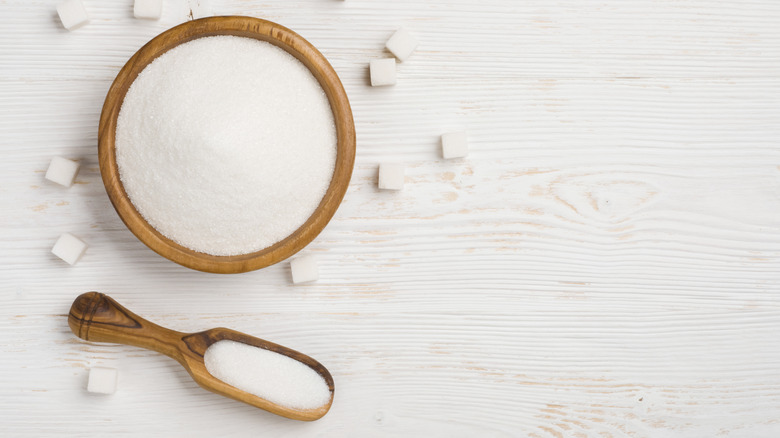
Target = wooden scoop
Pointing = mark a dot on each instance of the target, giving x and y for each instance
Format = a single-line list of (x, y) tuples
[(97, 317)]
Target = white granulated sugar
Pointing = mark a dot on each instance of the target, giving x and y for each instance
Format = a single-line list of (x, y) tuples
[(266, 374), (226, 145)]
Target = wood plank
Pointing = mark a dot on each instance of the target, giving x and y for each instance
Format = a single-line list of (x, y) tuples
[(606, 262)]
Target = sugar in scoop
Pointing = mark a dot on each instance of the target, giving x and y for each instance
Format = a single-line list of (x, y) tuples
[(271, 376), (230, 363)]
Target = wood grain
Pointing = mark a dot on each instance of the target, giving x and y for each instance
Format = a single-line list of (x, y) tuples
[(604, 264), (247, 27)]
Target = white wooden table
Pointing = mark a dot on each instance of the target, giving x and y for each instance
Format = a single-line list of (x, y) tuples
[(605, 263)]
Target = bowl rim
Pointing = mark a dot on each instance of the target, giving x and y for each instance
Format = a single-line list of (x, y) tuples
[(250, 27)]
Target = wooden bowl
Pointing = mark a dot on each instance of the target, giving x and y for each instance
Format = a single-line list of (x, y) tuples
[(245, 27)]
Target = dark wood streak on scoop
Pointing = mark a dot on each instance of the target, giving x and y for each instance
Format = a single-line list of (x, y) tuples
[(97, 317)]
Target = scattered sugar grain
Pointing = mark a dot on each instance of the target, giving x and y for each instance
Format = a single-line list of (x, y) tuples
[(69, 248), (148, 9), (304, 269), (266, 374), (72, 14), (382, 72), (391, 176), (102, 380), (62, 171), (402, 44), (454, 145), (226, 145)]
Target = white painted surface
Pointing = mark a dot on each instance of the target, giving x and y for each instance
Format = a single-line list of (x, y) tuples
[(606, 262)]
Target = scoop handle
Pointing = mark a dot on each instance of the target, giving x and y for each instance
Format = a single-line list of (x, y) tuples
[(97, 317)]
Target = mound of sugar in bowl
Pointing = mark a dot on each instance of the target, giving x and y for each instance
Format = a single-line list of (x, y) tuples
[(226, 145)]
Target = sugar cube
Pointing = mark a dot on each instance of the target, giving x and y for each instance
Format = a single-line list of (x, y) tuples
[(62, 171), (72, 14), (382, 72), (148, 9), (69, 248), (304, 269), (401, 44), (391, 176), (102, 380), (454, 145), (200, 8)]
